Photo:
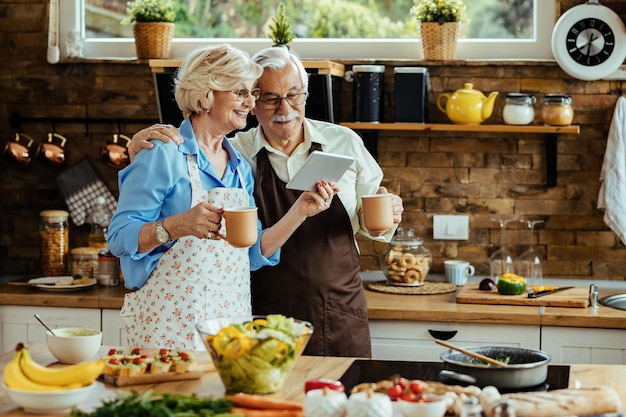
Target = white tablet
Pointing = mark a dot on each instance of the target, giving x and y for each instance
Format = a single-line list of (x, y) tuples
[(320, 166)]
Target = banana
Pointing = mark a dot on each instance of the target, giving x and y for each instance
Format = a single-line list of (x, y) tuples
[(15, 378), (77, 375)]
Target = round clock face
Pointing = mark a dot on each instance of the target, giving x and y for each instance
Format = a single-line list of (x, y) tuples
[(589, 41)]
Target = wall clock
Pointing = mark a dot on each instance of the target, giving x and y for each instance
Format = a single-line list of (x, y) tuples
[(589, 41)]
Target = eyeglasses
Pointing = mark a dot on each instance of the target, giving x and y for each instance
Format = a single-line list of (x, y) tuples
[(275, 102), (244, 93)]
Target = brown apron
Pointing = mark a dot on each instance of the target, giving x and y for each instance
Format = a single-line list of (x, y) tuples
[(317, 278)]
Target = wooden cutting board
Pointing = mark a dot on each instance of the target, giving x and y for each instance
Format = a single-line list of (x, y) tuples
[(574, 297)]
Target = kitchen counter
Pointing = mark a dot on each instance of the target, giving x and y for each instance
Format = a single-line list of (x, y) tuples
[(307, 367), (382, 306)]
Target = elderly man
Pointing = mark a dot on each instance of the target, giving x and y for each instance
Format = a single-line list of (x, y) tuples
[(317, 278)]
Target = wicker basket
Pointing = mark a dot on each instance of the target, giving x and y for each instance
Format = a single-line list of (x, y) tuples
[(153, 39), (439, 41)]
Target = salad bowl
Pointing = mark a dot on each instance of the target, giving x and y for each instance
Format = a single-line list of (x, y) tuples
[(254, 354)]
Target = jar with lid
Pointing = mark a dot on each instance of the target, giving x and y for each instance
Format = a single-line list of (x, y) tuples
[(406, 262), (518, 109), (557, 110), (54, 241), (84, 262)]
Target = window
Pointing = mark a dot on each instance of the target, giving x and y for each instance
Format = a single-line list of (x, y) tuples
[(533, 42)]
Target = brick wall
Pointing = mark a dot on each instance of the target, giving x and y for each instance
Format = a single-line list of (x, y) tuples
[(479, 174)]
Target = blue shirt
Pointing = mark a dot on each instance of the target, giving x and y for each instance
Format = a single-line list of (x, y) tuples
[(157, 185)]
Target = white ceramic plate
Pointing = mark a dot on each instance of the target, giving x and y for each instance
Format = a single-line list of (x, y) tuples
[(59, 284)]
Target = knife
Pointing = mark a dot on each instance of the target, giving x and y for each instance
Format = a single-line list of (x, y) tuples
[(547, 292)]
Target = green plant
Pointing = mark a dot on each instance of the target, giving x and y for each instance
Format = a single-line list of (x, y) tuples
[(280, 28), (150, 11), (441, 11)]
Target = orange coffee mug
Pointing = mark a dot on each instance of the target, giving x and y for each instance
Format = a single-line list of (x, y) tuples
[(241, 226)]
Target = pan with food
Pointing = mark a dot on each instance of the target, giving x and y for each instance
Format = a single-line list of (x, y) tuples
[(525, 367)]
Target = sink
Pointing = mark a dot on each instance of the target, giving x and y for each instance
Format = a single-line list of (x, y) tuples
[(617, 301)]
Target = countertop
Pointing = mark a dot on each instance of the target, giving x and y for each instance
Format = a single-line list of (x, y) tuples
[(307, 367), (382, 306)]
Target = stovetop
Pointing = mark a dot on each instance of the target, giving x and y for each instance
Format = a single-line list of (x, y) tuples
[(374, 370)]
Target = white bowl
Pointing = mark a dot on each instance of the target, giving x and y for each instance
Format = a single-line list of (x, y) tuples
[(49, 402), (435, 406), (74, 344)]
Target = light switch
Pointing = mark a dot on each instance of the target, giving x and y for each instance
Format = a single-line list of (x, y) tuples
[(450, 227)]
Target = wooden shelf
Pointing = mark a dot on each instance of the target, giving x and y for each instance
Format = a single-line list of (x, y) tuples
[(444, 127), (550, 133), (320, 67)]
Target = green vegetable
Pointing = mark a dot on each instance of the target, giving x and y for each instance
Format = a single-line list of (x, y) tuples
[(511, 284), (151, 404)]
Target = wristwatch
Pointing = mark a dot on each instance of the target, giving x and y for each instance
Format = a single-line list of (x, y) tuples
[(161, 234)]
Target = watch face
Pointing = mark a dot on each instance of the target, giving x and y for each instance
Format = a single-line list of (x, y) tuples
[(590, 42)]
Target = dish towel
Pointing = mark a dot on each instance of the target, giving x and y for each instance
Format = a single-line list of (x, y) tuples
[(612, 196)]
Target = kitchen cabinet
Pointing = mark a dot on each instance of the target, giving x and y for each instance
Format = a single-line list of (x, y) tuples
[(113, 332), (414, 340), (584, 345), (18, 323), (550, 133)]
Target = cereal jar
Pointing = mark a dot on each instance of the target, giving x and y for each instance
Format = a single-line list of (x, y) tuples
[(406, 262), (55, 242)]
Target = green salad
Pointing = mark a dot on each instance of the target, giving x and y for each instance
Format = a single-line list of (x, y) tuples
[(256, 356)]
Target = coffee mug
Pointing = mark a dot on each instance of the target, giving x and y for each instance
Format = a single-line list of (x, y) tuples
[(115, 152), (19, 149), (241, 226), (458, 271), (53, 150), (377, 212)]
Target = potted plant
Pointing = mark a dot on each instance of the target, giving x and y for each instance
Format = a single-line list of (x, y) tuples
[(280, 28), (439, 26), (153, 26)]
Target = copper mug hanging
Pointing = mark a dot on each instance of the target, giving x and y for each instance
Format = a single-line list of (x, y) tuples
[(115, 152), (19, 149), (53, 149)]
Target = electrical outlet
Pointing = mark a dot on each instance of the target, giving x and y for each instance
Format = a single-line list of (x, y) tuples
[(450, 227)]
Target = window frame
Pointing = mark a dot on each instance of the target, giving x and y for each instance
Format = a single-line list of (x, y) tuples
[(71, 18)]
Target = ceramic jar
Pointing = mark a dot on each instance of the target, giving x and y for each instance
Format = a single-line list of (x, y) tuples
[(406, 262)]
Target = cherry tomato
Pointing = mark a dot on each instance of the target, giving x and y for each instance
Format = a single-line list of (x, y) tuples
[(416, 387), (395, 391), (403, 382), (137, 351), (184, 355), (112, 351), (164, 352), (409, 396), (321, 383), (138, 360), (114, 361), (166, 359)]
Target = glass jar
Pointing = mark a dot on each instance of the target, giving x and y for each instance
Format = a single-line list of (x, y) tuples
[(406, 262), (55, 242), (84, 262), (518, 109), (557, 110), (108, 268)]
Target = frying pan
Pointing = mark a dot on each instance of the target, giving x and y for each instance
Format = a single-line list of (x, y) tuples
[(527, 367)]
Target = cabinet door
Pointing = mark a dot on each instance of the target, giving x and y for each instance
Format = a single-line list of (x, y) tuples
[(584, 345), (18, 323), (113, 332), (415, 341)]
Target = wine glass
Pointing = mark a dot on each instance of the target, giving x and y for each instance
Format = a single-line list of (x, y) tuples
[(529, 262), (502, 261)]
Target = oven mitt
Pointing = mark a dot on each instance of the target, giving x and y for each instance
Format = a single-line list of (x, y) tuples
[(80, 187)]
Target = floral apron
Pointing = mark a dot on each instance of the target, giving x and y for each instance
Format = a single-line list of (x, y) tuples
[(196, 279)]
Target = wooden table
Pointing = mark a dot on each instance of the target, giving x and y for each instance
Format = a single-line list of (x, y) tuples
[(307, 367)]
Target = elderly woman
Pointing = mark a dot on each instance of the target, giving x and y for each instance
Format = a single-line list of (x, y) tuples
[(167, 229)]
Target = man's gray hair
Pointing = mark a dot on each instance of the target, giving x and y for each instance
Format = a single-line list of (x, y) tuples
[(278, 57)]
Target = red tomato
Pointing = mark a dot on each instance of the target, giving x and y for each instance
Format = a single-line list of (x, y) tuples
[(416, 387), (395, 391), (114, 361), (166, 359), (112, 351), (164, 352), (184, 355), (137, 360), (403, 382), (323, 383), (409, 396), (137, 351)]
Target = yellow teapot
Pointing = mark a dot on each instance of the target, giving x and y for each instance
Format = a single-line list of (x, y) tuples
[(467, 106)]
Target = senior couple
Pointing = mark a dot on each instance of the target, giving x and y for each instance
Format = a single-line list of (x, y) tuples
[(305, 263)]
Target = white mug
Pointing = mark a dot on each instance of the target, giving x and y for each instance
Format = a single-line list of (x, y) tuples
[(458, 271)]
